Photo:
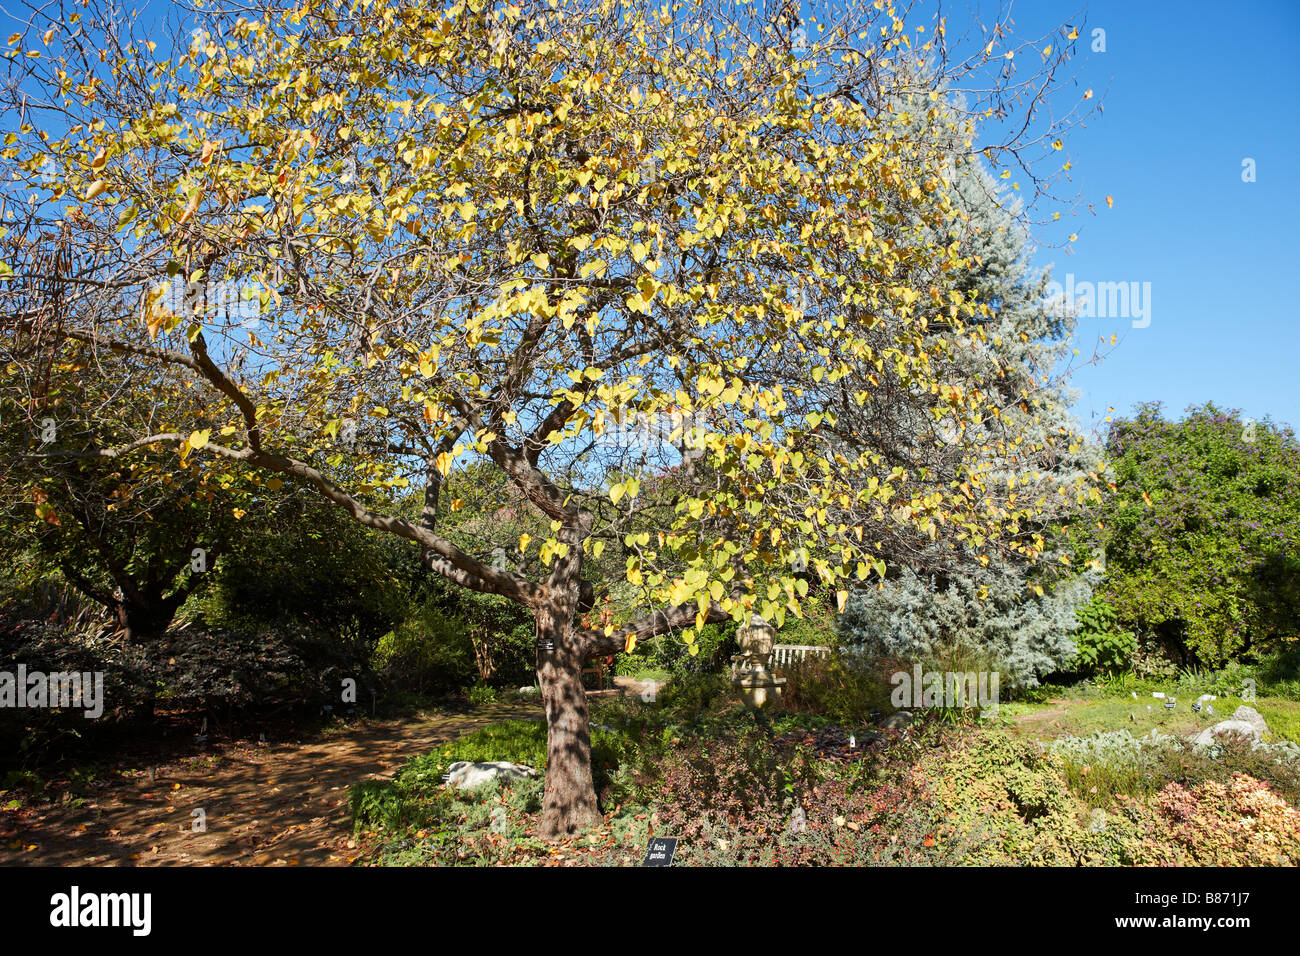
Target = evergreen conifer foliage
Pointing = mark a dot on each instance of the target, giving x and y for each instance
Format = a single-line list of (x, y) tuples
[(952, 589)]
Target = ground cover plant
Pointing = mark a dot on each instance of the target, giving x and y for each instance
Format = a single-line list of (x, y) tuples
[(799, 787)]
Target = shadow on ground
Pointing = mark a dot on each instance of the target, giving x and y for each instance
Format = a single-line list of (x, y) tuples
[(264, 805)]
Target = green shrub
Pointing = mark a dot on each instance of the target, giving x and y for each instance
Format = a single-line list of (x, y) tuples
[(1279, 674), (686, 696), (715, 644), (1102, 646), (844, 688), (817, 627), (428, 653), (1200, 529)]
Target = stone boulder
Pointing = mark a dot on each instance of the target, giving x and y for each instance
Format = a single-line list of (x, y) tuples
[(1226, 728), (1245, 722), (897, 721), (463, 775), (1251, 716)]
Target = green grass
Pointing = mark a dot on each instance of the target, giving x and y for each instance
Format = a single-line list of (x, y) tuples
[(518, 741), (1082, 715), (1282, 717), (415, 796)]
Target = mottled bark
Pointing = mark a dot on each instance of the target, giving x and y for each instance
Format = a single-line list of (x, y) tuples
[(569, 803)]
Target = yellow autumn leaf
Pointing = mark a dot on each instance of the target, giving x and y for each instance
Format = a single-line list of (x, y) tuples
[(153, 320), (190, 208), (97, 187)]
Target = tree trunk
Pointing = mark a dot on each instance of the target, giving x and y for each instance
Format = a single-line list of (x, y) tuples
[(569, 805), (143, 623), (140, 625), (484, 658), (144, 708)]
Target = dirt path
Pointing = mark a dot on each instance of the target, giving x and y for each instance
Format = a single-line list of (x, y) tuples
[(1037, 719), (265, 805)]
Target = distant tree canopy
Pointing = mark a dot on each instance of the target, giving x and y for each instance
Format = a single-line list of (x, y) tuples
[(127, 531), (1202, 533)]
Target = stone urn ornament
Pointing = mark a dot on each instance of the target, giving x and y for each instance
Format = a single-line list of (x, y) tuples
[(751, 669)]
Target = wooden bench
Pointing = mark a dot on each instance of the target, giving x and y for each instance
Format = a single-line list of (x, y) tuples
[(597, 667)]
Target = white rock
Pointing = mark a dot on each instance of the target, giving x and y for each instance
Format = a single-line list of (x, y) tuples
[(463, 775), (1226, 727), (897, 720), (1251, 716)]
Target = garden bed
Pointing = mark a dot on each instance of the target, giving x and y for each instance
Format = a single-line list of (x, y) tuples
[(787, 789)]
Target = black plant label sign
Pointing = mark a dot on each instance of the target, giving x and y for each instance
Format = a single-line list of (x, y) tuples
[(660, 852)]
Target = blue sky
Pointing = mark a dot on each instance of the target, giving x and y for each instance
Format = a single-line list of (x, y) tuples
[(1189, 91)]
